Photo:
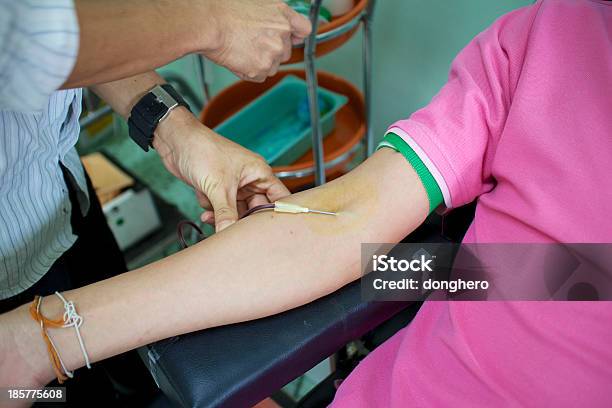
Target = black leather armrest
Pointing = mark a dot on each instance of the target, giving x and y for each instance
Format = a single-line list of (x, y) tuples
[(241, 364)]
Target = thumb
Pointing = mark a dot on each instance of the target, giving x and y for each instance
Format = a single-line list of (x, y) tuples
[(224, 207), (300, 25), (277, 190)]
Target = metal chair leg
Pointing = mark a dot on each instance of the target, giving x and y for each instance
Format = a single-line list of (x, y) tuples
[(311, 78), (368, 18)]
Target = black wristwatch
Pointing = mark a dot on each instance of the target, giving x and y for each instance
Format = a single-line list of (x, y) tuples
[(150, 110)]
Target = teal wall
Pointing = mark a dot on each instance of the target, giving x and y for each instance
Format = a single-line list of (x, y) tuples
[(414, 44)]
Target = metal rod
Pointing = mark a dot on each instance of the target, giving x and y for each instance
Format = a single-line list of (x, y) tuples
[(368, 18), (309, 171), (336, 32), (313, 100), (321, 212), (92, 117)]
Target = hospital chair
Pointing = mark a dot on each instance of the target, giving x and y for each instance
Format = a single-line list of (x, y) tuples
[(239, 365)]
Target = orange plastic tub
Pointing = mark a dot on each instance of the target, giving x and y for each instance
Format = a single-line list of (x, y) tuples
[(330, 45), (349, 131)]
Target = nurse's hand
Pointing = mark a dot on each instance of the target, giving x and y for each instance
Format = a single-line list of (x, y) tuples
[(227, 178), (253, 37)]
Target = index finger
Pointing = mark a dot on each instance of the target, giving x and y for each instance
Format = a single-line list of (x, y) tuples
[(300, 24)]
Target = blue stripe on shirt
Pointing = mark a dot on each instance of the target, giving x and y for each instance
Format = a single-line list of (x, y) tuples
[(48, 59), (35, 207)]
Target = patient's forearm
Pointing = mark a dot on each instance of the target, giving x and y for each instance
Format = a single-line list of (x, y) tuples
[(263, 265)]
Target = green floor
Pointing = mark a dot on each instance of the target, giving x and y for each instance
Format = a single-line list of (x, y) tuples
[(148, 169)]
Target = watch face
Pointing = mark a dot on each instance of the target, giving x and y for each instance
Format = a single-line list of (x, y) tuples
[(156, 107)]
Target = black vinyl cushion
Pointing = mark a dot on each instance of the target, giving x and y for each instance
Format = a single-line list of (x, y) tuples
[(241, 364)]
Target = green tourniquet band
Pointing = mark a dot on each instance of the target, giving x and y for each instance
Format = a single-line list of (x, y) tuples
[(434, 194)]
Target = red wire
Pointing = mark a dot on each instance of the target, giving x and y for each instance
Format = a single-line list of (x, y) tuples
[(179, 227), (257, 208), (179, 231)]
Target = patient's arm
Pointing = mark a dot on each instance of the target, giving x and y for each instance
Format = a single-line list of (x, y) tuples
[(263, 265)]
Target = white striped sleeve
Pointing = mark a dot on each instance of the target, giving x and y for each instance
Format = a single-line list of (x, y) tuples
[(39, 42)]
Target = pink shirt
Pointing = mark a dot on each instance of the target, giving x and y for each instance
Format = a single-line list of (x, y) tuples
[(524, 124)]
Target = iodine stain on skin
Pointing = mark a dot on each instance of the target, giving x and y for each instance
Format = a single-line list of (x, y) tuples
[(354, 204)]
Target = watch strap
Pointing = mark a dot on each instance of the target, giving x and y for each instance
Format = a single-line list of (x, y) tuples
[(149, 111)]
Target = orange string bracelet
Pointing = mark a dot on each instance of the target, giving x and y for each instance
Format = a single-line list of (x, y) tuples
[(60, 371)]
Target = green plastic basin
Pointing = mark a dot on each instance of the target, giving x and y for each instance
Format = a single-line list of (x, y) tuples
[(276, 125)]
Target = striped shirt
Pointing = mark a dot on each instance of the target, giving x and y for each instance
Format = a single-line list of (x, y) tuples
[(38, 130)]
